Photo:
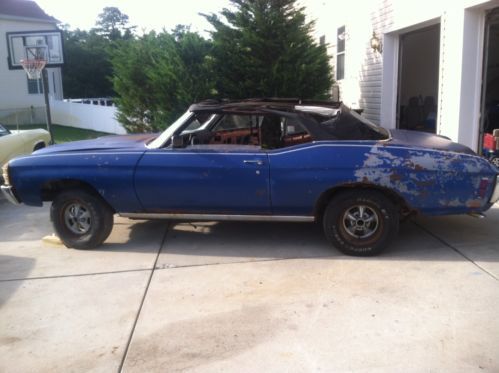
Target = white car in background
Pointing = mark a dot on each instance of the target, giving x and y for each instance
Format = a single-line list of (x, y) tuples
[(16, 143)]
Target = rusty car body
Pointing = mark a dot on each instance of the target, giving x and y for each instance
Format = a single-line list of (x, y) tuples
[(263, 159)]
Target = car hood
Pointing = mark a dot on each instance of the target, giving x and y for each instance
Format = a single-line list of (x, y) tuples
[(121, 142), (427, 140)]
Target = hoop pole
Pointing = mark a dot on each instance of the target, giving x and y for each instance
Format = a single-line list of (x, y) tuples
[(47, 104)]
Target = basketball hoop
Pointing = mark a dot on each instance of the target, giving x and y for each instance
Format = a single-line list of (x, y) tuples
[(35, 61), (33, 68)]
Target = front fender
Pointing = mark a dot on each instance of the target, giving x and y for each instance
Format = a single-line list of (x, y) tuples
[(111, 175)]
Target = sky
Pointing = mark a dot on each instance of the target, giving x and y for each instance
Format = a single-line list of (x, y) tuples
[(145, 14)]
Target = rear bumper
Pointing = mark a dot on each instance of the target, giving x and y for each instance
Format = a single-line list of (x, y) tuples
[(495, 194), (8, 192)]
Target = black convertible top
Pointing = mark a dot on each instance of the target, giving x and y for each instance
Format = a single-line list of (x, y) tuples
[(324, 120), (259, 104)]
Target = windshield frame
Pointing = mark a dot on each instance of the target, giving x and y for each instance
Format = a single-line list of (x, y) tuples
[(4, 131), (166, 135)]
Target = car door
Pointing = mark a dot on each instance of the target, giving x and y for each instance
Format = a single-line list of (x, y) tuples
[(225, 175)]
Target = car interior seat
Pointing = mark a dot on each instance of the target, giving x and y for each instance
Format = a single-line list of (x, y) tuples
[(271, 132)]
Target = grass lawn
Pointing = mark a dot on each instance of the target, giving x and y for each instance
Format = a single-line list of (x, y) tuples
[(64, 133)]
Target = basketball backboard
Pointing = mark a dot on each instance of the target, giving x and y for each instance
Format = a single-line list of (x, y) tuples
[(18, 41)]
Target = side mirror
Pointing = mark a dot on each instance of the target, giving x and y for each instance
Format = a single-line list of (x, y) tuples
[(177, 141)]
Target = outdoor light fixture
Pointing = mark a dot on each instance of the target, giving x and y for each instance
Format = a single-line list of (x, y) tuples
[(376, 43)]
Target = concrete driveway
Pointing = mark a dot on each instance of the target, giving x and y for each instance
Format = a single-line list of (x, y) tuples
[(248, 297)]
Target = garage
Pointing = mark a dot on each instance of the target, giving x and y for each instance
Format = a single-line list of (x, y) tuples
[(418, 79), (490, 95)]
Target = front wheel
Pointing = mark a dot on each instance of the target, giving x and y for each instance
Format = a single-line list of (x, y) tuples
[(81, 219), (361, 223)]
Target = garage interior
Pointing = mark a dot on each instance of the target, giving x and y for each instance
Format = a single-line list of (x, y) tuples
[(490, 95), (419, 54)]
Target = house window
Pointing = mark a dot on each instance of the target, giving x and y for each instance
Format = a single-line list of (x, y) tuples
[(340, 53), (35, 86)]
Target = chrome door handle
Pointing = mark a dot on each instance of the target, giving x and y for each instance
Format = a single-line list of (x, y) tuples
[(258, 162)]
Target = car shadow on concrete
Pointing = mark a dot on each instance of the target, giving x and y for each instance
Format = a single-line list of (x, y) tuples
[(23, 267), (417, 240), (144, 236)]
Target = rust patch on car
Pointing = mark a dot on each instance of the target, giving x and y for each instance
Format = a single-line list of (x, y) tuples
[(395, 177), (418, 167), (474, 203), (425, 183)]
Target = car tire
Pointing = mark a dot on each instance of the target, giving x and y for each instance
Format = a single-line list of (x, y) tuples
[(39, 146), (81, 219), (495, 161), (361, 223)]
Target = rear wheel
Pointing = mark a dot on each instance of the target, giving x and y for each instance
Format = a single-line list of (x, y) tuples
[(361, 223), (81, 220), (39, 146)]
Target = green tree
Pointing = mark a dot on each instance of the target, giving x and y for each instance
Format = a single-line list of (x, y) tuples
[(113, 24), (87, 67), (265, 48), (157, 76)]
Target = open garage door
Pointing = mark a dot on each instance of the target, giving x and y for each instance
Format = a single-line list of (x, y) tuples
[(418, 79), (489, 123)]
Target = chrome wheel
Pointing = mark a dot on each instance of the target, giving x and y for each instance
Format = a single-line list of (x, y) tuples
[(77, 218), (360, 221), (495, 161)]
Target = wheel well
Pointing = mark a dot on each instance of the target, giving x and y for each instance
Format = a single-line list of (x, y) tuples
[(51, 188), (39, 145), (320, 206)]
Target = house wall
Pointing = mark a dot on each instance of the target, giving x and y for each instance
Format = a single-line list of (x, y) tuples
[(371, 78), (13, 83)]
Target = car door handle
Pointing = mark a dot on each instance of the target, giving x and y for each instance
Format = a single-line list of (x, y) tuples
[(258, 162)]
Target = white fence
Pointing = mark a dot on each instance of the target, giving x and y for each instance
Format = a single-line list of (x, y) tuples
[(22, 116), (80, 115)]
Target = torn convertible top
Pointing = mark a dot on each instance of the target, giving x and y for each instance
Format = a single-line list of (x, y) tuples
[(259, 105), (324, 120)]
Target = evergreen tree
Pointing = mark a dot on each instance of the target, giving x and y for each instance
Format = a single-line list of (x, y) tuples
[(265, 48), (87, 67), (113, 24), (158, 76)]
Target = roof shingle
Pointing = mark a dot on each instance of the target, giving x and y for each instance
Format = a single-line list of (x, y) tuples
[(24, 9)]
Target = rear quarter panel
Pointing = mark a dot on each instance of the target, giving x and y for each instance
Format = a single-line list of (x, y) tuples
[(21, 142), (431, 182), (11, 145), (33, 137)]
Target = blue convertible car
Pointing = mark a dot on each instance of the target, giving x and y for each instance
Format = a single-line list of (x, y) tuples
[(268, 160)]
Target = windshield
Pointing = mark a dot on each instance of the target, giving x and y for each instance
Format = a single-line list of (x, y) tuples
[(168, 133), (3, 131)]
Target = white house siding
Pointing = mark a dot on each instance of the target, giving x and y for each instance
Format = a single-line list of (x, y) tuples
[(13, 85), (370, 81)]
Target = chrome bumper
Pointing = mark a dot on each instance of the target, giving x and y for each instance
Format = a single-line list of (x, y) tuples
[(8, 192), (495, 193)]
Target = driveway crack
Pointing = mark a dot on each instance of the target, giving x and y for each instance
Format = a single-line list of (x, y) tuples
[(75, 275), (455, 249), (132, 331)]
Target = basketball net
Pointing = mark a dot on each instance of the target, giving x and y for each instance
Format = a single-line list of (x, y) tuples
[(35, 61), (33, 67)]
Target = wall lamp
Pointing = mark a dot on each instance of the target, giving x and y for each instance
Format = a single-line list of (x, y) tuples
[(376, 43)]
